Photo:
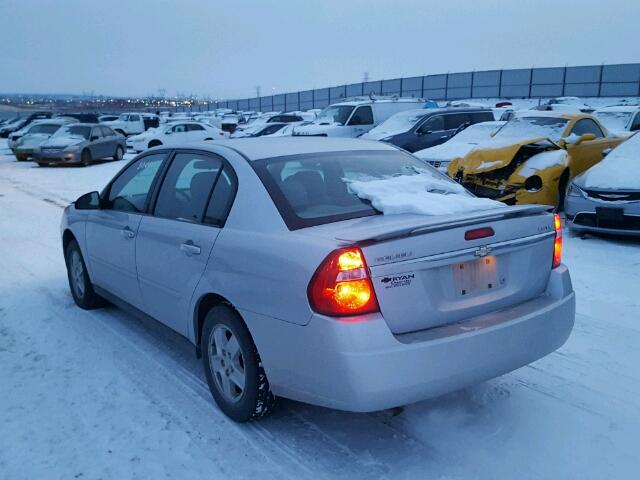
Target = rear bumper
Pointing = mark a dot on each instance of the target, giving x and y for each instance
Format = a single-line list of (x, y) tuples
[(364, 367)]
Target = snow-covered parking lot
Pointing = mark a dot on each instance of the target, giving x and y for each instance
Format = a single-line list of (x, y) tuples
[(101, 394)]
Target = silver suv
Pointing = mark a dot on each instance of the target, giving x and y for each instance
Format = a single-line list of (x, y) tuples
[(290, 285)]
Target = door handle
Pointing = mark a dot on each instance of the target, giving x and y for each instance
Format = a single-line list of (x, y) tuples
[(128, 233), (189, 248)]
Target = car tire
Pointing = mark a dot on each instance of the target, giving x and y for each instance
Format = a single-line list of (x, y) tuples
[(21, 158), (79, 282), (154, 143), (40, 164), (119, 155), (233, 367), (85, 157)]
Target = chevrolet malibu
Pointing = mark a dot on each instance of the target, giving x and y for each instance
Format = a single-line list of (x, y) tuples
[(288, 284)]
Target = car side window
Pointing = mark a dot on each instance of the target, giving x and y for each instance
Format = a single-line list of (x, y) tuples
[(194, 127), (134, 118), (179, 128), (362, 116), (635, 125), (434, 123), (586, 125), (107, 132), (222, 198), (453, 121), (96, 133), (129, 192), (479, 117), (187, 186)]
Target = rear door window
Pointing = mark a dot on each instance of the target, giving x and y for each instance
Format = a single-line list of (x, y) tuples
[(222, 198), (453, 121), (187, 186), (478, 117), (194, 127)]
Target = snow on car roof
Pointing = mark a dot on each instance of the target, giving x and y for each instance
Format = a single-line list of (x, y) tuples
[(547, 113), (258, 148), (619, 108)]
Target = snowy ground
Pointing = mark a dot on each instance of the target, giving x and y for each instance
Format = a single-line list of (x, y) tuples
[(100, 395)]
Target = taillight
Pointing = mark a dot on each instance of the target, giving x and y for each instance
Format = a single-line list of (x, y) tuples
[(341, 285), (557, 243), (479, 233)]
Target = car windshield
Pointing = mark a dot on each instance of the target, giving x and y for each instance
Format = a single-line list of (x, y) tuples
[(335, 114), (74, 131), (48, 129), (614, 120), (400, 122), (313, 189), (530, 127), (123, 117)]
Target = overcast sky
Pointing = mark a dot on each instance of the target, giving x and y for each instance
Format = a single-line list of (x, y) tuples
[(224, 49)]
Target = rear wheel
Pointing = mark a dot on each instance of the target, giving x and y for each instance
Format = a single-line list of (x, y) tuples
[(79, 282), (233, 367), (119, 153), (85, 157), (21, 158)]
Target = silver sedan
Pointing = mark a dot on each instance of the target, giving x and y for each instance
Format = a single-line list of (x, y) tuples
[(288, 284)]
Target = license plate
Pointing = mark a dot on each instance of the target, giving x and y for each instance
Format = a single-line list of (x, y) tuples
[(610, 215), (476, 276)]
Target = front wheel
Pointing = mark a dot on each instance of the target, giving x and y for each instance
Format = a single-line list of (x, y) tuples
[(233, 367), (85, 157), (79, 282), (119, 153), (154, 143)]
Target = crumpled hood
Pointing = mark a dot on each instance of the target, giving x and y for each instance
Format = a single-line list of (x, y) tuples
[(491, 155), (62, 142)]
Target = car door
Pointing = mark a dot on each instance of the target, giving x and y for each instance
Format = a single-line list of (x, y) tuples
[(361, 121), (196, 132), (178, 134), (110, 141), (96, 143), (174, 243), (135, 125), (428, 133), (111, 231), (586, 154)]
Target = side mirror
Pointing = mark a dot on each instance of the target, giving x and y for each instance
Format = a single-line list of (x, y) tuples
[(94, 138), (562, 143), (168, 132), (88, 201), (585, 137)]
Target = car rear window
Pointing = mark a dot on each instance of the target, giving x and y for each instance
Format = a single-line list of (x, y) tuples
[(312, 189)]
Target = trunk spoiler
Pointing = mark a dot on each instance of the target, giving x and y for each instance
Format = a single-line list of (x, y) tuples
[(381, 233)]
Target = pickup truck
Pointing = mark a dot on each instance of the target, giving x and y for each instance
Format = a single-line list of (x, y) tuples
[(133, 123)]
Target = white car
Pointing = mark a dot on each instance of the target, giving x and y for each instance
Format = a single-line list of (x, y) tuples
[(620, 120), (34, 135), (354, 118), (133, 123), (459, 145), (173, 134)]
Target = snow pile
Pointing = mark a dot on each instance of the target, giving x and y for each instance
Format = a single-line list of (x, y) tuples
[(396, 124), (459, 145), (419, 194), (618, 171), (543, 161)]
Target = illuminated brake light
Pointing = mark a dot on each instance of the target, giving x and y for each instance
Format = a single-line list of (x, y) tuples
[(341, 286), (557, 243), (479, 233)]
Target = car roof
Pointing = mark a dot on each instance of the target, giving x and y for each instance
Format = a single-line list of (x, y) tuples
[(87, 125), (551, 114), (354, 103), (619, 108), (259, 148)]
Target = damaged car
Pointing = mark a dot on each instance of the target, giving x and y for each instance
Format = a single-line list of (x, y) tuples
[(533, 157)]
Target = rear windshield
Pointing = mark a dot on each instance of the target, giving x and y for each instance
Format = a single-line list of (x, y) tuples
[(312, 189)]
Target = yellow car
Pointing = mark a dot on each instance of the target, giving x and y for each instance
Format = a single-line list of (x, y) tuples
[(532, 158)]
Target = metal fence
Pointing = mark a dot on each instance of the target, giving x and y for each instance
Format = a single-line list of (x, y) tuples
[(621, 80)]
